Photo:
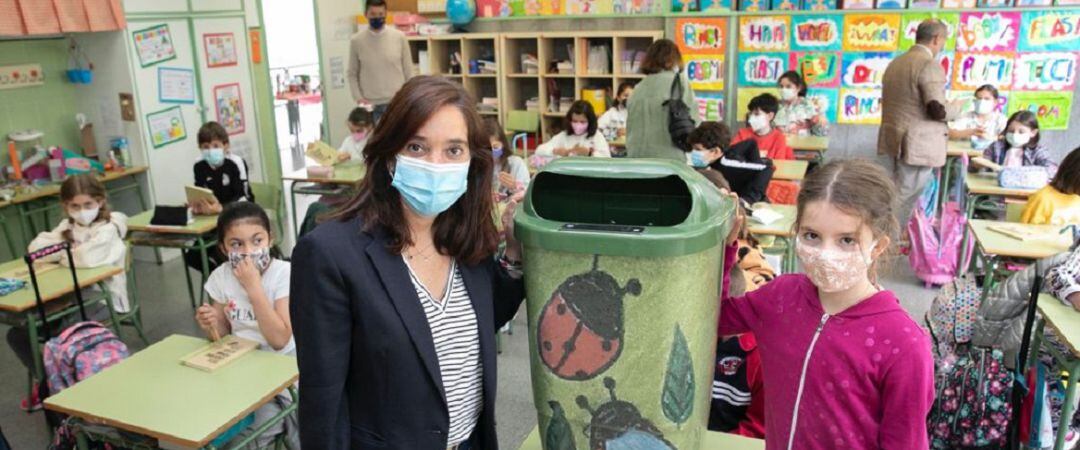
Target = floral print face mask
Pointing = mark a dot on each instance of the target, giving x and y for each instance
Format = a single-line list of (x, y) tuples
[(834, 270)]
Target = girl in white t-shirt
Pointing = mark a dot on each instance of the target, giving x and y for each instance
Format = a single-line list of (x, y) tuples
[(251, 300), (360, 125), (613, 122), (982, 125), (580, 136)]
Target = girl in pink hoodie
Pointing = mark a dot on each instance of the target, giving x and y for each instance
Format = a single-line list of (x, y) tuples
[(845, 367)]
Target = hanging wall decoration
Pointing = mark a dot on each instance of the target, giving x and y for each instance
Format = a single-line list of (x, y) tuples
[(1050, 31), (710, 105), (153, 45), (972, 70), (702, 42), (871, 32), (825, 101), (1050, 108), (220, 49), (166, 126), (909, 23), (988, 31), (761, 69), (865, 70), (764, 33), (229, 107), (176, 85), (819, 69), (816, 32), (1050, 71), (859, 106)]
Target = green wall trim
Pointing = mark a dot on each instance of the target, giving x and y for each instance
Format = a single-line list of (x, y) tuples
[(324, 133)]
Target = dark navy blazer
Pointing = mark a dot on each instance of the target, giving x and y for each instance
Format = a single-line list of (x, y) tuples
[(369, 375)]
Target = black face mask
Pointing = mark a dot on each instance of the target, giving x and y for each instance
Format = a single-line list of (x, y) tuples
[(377, 23)]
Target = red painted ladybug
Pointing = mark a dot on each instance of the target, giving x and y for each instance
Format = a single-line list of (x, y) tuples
[(580, 330), (618, 424)]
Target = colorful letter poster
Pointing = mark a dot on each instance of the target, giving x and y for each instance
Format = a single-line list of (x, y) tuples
[(969, 100), (710, 105), (1050, 71), (871, 32), (825, 101), (947, 61), (701, 35), (705, 72), (166, 126), (1050, 30), (976, 69), (910, 23), (819, 69), (864, 70), (988, 31), (220, 49), (229, 107), (743, 98), (819, 5), (1051, 108), (815, 33), (153, 45), (859, 106), (761, 69), (764, 33)]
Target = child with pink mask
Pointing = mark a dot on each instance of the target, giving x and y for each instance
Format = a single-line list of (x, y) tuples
[(579, 136), (360, 125), (844, 365)]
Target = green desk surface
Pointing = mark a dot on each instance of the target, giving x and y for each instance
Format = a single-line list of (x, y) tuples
[(201, 225), (987, 184), (345, 173), (151, 393), (54, 284), (1064, 320), (781, 227), (1051, 242), (808, 143), (958, 148), (790, 169), (51, 189), (712, 441)]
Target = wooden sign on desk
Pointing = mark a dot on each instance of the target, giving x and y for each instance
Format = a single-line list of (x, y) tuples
[(217, 354), (24, 272)]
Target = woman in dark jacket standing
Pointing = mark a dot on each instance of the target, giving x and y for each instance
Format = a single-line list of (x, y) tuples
[(398, 296)]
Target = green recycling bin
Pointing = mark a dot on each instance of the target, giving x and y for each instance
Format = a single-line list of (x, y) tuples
[(622, 268)]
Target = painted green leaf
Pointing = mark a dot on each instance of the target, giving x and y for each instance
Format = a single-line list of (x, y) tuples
[(559, 435), (677, 399)]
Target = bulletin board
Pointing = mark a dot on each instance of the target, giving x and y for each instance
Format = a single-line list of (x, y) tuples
[(703, 44)]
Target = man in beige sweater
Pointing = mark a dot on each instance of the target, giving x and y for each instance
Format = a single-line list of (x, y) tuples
[(379, 60)]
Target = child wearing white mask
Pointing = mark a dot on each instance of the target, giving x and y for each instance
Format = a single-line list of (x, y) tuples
[(360, 125), (579, 137), (798, 115), (983, 124), (759, 127), (96, 235), (1019, 146)]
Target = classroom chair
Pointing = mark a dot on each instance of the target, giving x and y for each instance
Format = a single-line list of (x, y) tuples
[(520, 124), (271, 198), (1013, 210)]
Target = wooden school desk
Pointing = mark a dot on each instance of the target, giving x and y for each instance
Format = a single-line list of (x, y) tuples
[(790, 169), (712, 440), (992, 245), (152, 394), (345, 175), (808, 148), (983, 186), (41, 201), (1064, 321), (782, 229), (19, 308), (193, 237)]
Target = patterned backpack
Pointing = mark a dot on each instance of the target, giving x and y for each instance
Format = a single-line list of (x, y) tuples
[(972, 407), (80, 351), (952, 313)]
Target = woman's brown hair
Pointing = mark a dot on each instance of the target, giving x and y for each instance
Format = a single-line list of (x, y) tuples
[(84, 184), (660, 56), (495, 130), (466, 231), (859, 187), (1067, 178)]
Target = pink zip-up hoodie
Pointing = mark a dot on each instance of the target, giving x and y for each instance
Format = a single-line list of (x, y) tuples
[(866, 375)]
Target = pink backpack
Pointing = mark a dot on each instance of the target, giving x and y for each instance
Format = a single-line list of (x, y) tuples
[(935, 242), (80, 351)]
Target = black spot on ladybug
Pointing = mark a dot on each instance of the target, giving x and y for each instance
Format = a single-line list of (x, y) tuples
[(616, 418), (606, 346), (547, 346), (580, 373), (561, 309)]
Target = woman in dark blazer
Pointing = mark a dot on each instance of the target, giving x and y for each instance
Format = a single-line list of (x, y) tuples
[(397, 296)]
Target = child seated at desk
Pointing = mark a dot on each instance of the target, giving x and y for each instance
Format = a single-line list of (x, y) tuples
[(983, 124), (96, 235), (250, 299), (1020, 145), (759, 127), (218, 170), (360, 124), (613, 122), (798, 115), (579, 137), (1058, 203), (511, 173)]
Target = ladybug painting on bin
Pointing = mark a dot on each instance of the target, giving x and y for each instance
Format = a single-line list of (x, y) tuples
[(580, 330), (619, 425)]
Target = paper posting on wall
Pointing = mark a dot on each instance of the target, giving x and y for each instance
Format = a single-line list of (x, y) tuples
[(714, 5), (753, 5), (764, 33), (1025, 3), (910, 23), (684, 6), (864, 70), (969, 100), (550, 7), (819, 69), (957, 4), (891, 4), (493, 8), (819, 5), (785, 5), (924, 4), (742, 100), (220, 49), (229, 107), (761, 69), (947, 60), (871, 32), (993, 3), (710, 105), (1050, 30), (988, 31), (1049, 71), (1051, 108), (166, 126), (816, 32), (972, 70), (153, 45), (857, 4), (705, 72), (176, 85), (337, 72), (859, 106), (825, 101), (701, 35)]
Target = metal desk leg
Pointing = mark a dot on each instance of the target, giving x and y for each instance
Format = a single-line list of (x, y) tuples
[(81, 441), (943, 184), (7, 236), (1067, 409), (205, 266), (35, 352), (1036, 345), (292, 194), (187, 278), (109, 304)]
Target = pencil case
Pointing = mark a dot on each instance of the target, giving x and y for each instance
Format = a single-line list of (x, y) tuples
[(320, 171)]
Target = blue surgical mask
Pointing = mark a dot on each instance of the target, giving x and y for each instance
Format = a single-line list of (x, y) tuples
[(697, 159), (377, 23), (214, 156), (496, 152), (430, 188)]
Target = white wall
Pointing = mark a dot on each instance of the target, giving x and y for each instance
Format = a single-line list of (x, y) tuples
[(337, 22), (290, 32)]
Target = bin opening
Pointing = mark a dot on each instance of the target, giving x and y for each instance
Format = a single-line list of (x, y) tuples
[(663, 201)]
